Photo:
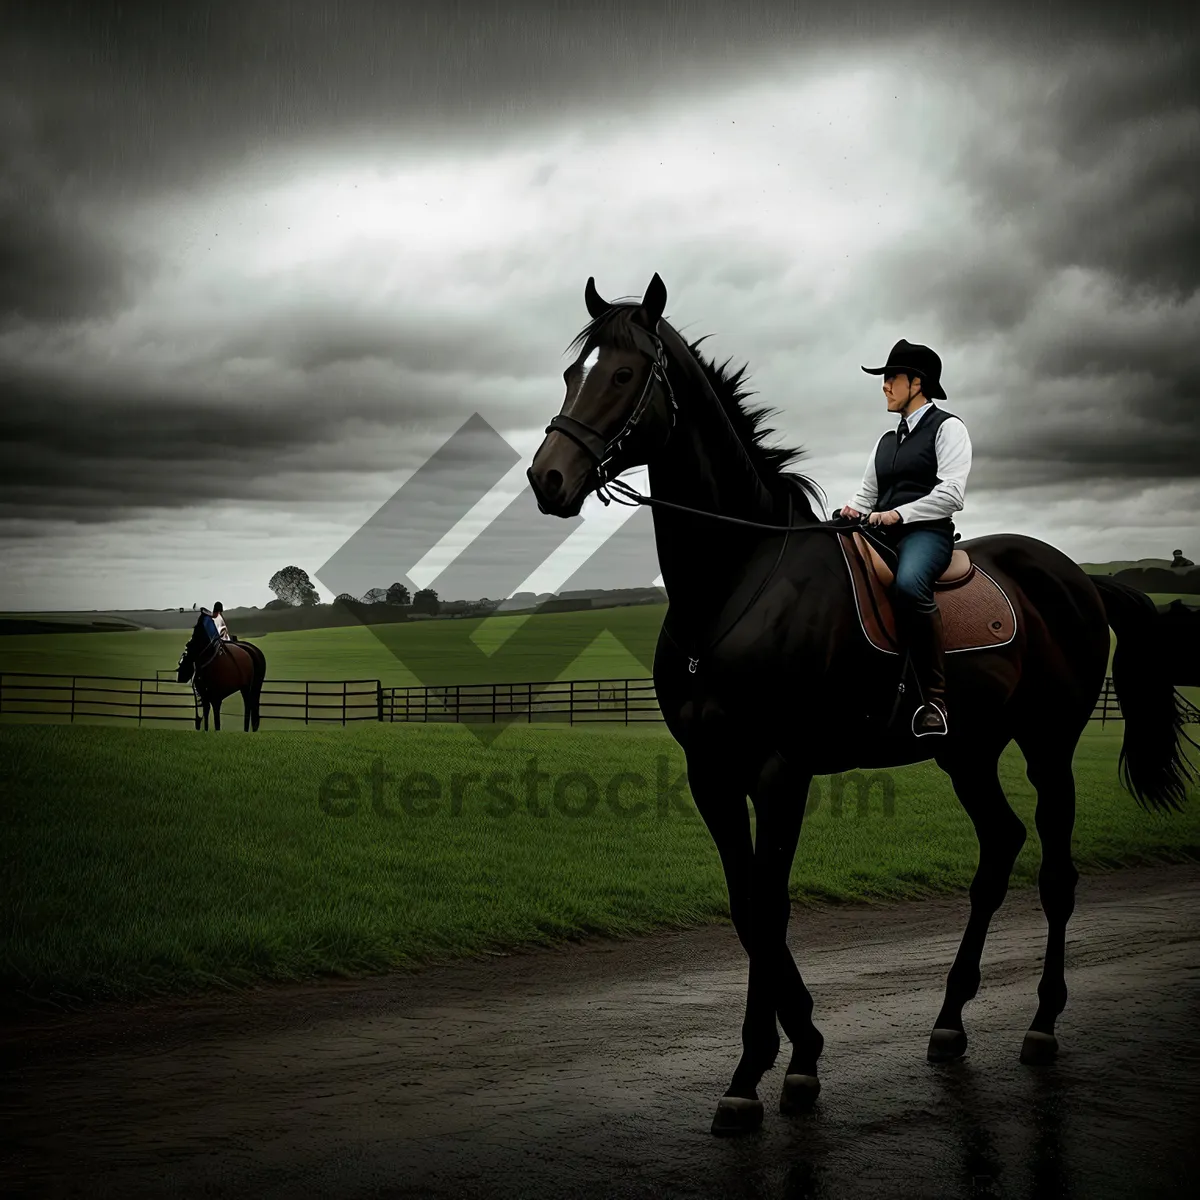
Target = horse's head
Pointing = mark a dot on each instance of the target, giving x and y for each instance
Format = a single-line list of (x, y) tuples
[(195, 644), (187, 665), (618, 408)]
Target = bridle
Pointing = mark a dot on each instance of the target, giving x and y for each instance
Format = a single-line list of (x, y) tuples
[(592, 442)]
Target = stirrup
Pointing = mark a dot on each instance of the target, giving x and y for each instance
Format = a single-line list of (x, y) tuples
[(941, 711)]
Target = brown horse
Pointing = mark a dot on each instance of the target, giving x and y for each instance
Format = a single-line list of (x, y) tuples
[(218, 668), (765, 678)]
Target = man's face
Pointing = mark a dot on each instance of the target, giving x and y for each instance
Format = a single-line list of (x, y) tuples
[(898, 390)]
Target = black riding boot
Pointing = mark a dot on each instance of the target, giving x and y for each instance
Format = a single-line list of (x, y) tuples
[(929, 661)]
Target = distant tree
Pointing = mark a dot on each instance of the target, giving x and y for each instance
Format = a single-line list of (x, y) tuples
[(293, 586), (275, 605), (375, 596), (426, 601), (398, 594), (345, 598)]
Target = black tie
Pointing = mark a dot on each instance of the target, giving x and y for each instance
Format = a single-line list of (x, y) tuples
[(902, 431)]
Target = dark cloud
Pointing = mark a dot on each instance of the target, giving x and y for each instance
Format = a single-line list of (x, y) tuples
[(72, 447), (133, 92), (314, 335), (1106, 171), (52, 267), (1089, 162)]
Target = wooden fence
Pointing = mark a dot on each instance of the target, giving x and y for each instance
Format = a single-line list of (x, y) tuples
[(104, 698), (92, 699), (574, 702)]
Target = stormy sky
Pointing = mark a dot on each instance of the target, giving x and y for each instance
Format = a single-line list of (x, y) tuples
[(259, 261)]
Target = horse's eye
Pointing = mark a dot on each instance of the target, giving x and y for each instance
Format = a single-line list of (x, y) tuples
[(622, 376)]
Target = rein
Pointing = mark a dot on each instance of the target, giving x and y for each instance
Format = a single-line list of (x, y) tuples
[(635, 498)]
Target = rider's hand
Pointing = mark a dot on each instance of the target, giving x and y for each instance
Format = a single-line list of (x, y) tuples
[(884, 518), (847, 511)]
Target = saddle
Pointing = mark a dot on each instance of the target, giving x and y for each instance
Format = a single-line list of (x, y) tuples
[(976, 613)]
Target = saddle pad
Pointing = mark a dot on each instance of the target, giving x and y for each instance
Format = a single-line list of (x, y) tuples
[(975, 615)]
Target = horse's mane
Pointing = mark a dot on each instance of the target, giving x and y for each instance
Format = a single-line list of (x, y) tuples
[(771, 462)]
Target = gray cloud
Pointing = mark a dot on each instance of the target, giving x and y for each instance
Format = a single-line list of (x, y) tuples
[(128, 93), (1088, 162)]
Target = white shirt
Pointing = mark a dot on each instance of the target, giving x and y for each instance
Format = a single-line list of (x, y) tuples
[(953, 447), (219, 622)]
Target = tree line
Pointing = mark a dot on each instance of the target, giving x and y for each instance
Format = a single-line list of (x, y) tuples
[(293, 587)]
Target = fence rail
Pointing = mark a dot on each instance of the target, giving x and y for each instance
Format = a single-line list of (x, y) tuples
[(90, 698), (105, 698), (577, 701)]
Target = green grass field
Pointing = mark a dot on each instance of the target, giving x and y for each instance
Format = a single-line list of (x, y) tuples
[(612, 643), (143, 861), (437, 652), (148, 860)]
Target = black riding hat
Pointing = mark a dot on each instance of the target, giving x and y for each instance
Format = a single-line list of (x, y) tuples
[(912, 360)]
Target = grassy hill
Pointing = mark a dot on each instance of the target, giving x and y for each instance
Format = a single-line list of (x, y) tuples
[(407, 653)]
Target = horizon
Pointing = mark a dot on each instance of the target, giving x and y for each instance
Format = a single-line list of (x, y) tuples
[(566, 592)]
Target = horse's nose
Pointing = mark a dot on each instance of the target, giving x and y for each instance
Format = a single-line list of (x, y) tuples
[(547, 487)]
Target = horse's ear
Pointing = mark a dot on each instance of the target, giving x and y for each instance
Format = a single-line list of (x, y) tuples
[(595, 305), (653, 304)]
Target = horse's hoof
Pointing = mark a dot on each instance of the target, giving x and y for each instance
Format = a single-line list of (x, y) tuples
[(946, 1044), (799, 1094), (735, 1114), (1038, 1047)]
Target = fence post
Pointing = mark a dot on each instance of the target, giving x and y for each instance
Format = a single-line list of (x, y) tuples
[(72, 699), (493, 704), (379, 700), (343, 704), (626, 701), (306, 702), (141, 682)]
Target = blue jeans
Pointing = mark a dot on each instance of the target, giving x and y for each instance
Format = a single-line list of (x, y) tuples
[(924, 554)]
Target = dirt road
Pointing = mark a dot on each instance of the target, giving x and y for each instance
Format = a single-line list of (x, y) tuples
[(594, 1071)]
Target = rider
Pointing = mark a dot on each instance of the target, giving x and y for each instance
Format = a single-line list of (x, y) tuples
[(916, 478), (218, 610)]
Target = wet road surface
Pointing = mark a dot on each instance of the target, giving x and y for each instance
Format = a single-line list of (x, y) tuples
[(595, 1070)]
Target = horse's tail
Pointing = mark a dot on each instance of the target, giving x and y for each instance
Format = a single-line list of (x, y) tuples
[(260, 673), (1152, 764)]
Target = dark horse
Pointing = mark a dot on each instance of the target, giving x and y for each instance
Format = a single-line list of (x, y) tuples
[(217, 669), (1179, 627), (765, 679)]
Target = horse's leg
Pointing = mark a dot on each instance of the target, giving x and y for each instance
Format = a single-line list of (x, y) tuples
[(1048, 766), (247, 705), (256, 690), (973, 771), (780, 797), (207, 707), (720, 799), (217, 713), (760, 906)]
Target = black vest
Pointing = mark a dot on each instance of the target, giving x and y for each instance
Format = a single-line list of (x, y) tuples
[(909, 472)]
